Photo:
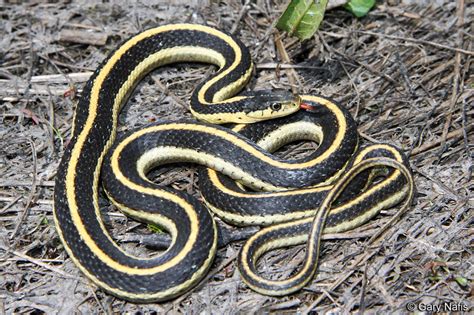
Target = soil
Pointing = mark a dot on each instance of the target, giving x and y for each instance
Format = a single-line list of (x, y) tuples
[(404, 71)]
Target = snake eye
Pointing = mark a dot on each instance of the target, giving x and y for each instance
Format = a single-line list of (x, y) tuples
[(275, 106)]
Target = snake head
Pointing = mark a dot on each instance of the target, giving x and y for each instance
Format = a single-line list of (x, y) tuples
[(265, 104)]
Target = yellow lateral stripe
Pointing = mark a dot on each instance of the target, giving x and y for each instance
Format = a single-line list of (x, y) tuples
[(244, 145), (256, 219), (216, 182), (221, 95), (117, 261), (166, 294), (312, 131), (155, 60), (286, 217), (151, 61), (144, 216), (78, 147), (220, 186), (390, 201), (149, 158)]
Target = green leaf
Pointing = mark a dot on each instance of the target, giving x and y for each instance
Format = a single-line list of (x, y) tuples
[(311, 20), (359, 7), (463, 282), (155, 228), (302, 17), (435, 278), (292, 15)]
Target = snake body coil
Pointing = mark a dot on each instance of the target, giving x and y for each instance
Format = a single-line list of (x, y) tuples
[(241, 155)]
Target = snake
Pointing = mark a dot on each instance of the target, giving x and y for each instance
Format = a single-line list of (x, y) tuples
[(337, 187)]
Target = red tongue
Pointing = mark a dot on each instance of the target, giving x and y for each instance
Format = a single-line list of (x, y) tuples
[(306, 106)]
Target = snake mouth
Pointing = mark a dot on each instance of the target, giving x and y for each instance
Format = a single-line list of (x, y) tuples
[(306, 106)]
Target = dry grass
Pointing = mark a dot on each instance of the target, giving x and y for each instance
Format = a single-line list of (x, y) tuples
[(404, 71)]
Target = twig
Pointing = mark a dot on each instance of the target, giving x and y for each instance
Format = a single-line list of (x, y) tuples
[(83, 37), (7, 206), (274, 65), (42, 264), (340, 280), (371, 241), (291, 73), (443, 186), (451, 135), (164, 89), (243, 10), (283, 305), (335, 3), (362, 64), (50, 121), (204, 280), (31, 64), (354, 86), (404, 72), (368, 67), (367, 137), (14, 183), (76, 77), (346, 235), (465, 128), (24, 92), (362, 293), (32, 191), (425, 121), (430, 75), (457, 58), (420, 41)]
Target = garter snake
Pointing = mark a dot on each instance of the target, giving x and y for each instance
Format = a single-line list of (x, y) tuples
[(185, 262)]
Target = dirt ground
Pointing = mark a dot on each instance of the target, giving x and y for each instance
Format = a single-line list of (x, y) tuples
[(404, 71)]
